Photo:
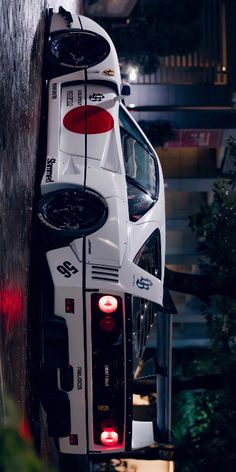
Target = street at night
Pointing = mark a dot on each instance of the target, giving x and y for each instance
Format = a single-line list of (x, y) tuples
[(118, 230)]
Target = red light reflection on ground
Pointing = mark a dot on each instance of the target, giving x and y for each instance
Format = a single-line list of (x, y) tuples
[(24, 431), (11, 307)]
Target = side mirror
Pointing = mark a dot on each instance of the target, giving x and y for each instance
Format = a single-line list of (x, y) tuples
[(125, 89)]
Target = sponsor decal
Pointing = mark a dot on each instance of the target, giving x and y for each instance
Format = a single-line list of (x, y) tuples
[(79, 97), (109, 72), (79, 378), (103, 408), (89, 246), (106, 375), (144, 284), (96, 97), (54, 91), (69, 98), (49, 169), (67, 269)]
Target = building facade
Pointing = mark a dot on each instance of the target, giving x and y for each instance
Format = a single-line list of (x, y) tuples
[(196, 94)]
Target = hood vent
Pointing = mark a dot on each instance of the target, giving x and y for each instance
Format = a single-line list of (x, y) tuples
[(111, 274)]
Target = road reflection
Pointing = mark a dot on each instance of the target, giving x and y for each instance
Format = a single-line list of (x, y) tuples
[(20, 94), (11, 308), (22, 26)]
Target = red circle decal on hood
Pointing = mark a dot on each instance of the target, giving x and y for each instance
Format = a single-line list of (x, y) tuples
[(90, 119)]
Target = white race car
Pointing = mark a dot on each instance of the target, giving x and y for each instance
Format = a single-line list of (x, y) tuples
[(102, 215)]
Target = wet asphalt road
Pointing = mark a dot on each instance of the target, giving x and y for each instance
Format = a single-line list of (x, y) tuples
[(21, 63), (21, 57)]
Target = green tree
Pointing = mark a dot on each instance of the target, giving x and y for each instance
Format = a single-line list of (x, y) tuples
[(204, 408), (16, 451), (206, 436), (158, 132), (215, 227)]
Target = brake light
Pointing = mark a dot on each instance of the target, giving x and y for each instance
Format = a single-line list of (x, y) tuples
[(109, 437), (108, 304), (107, 323)]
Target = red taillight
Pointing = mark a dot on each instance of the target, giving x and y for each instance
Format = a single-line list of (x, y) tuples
[(107, 323), (108, 304), (109, 437)]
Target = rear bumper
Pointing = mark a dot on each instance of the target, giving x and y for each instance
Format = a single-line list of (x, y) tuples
[(86, 378)]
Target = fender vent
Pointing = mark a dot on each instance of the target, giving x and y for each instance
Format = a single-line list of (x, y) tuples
[(111, 274)]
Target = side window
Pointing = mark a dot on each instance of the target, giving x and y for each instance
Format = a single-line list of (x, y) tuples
[(149, 256), (139, 163), (140, 167)]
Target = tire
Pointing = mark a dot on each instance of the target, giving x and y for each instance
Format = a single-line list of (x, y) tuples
[(72, 213), (76, 49)]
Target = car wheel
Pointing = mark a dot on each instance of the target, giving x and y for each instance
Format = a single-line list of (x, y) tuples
[(76, 49), (72, 213)]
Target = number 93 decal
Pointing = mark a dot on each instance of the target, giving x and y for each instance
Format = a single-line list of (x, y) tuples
[(143, 283), (67, 269)]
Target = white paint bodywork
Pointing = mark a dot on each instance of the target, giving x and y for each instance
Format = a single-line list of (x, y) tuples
[(117, 242)]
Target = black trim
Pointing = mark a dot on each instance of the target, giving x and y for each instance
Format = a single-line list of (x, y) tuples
[(48, 382), (114, 269), (80, 22), (66, 15), (55, 402), (85, 339), (58, 412), (108, 351), (85, 134), (104, 278), (105, 83), (55, 342), (129, 371), (67, 378)]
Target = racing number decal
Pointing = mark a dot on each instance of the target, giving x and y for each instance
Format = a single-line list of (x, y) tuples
[(67, 269), (143, 283)]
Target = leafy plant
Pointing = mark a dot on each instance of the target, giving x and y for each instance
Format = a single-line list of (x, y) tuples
[(16, 450)]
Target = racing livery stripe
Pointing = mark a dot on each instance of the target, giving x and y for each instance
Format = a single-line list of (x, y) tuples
[(84, 269), (85, 130)]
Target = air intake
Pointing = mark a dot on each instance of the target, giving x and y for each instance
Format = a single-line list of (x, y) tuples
[(110, 274)]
